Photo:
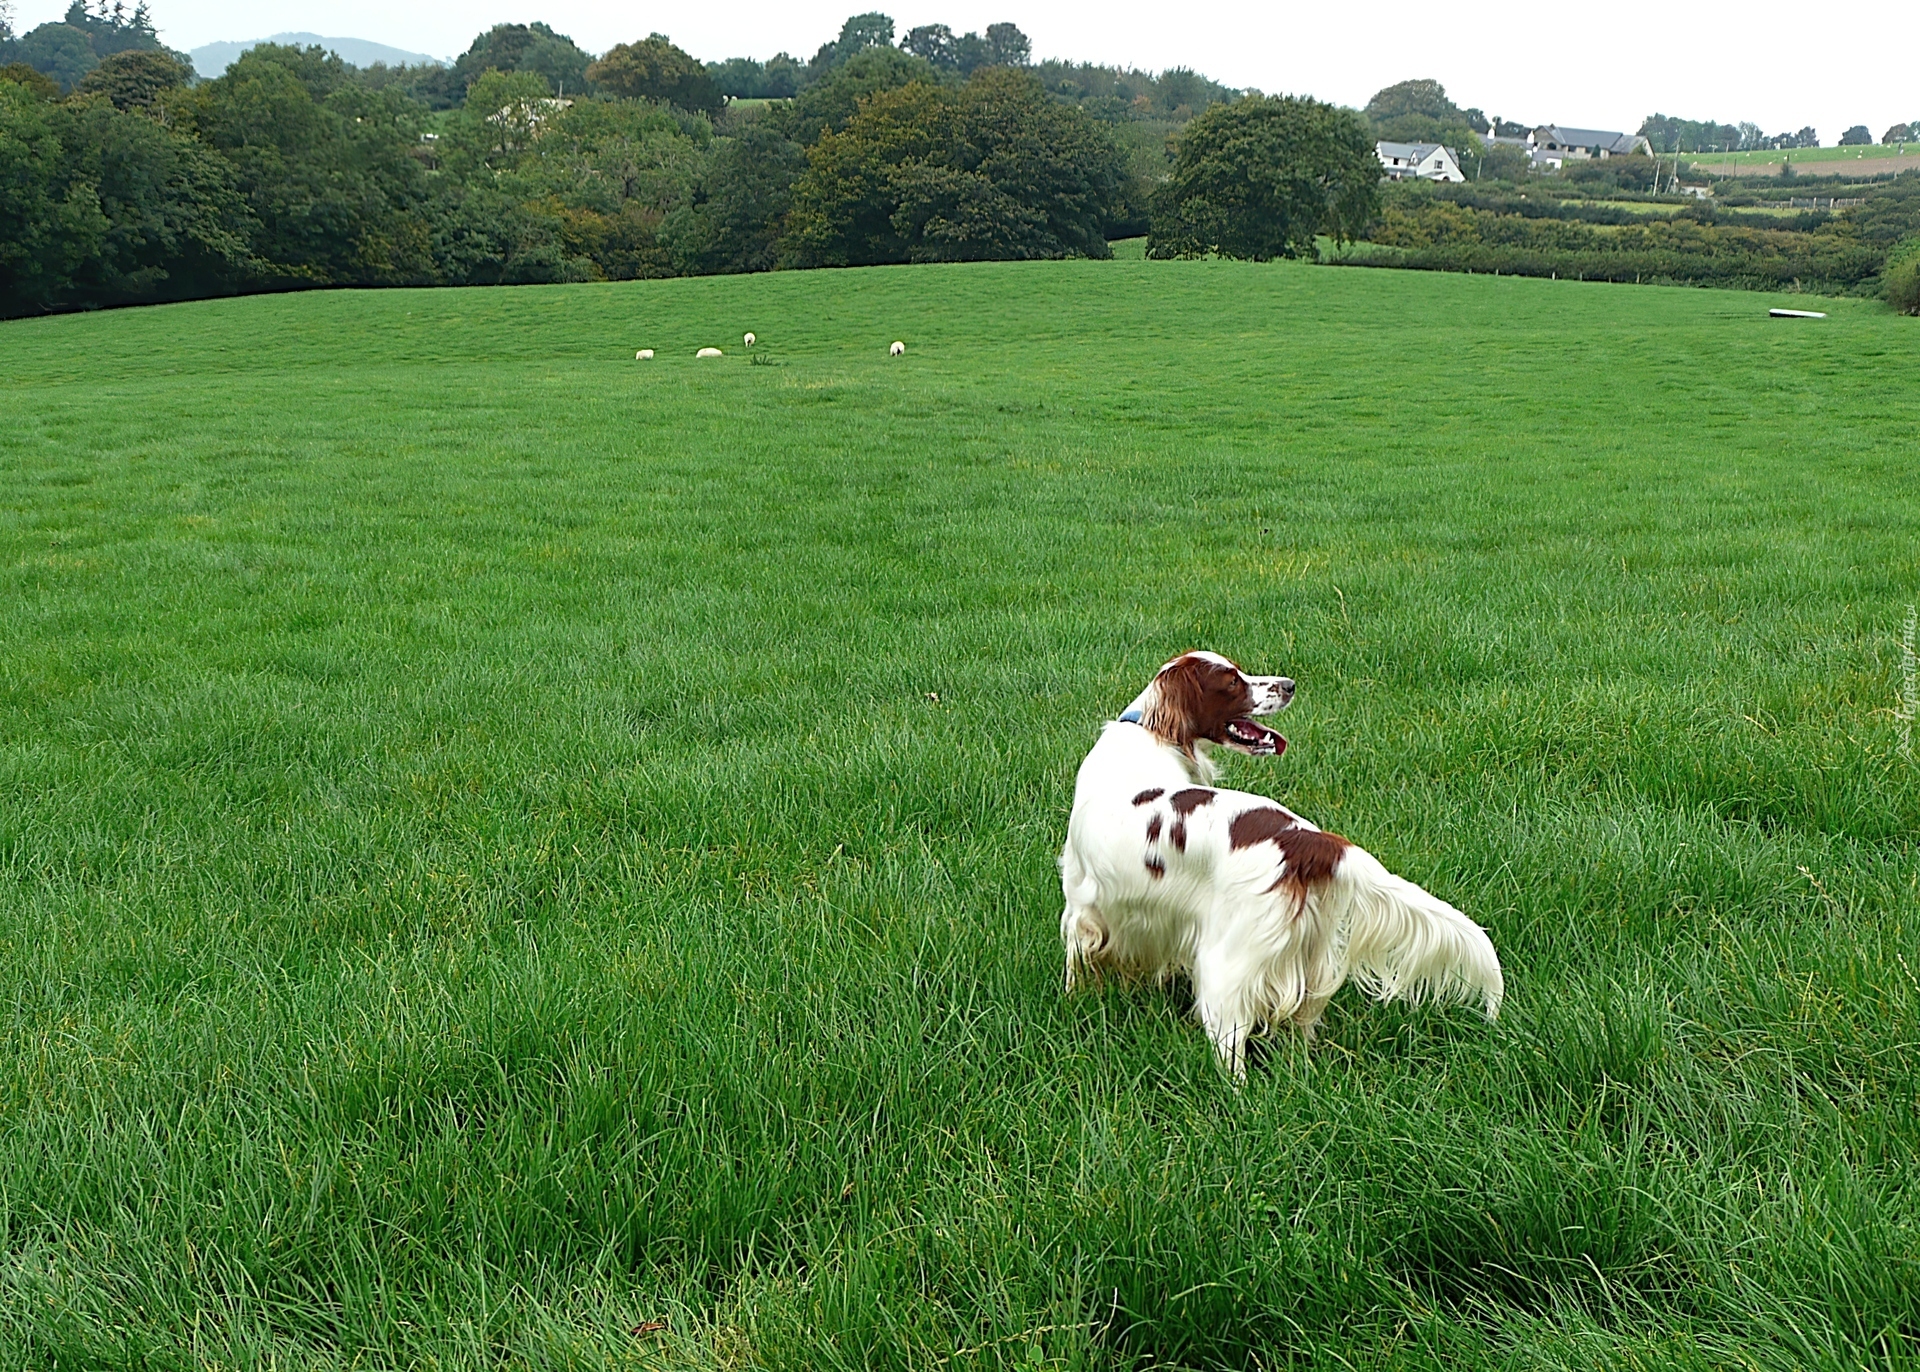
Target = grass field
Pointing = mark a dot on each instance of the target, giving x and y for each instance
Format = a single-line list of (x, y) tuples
[(1816, 161), (504, 845)]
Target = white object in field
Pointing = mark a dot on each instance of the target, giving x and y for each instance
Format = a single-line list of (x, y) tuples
[(644, 355), (1795, 314), (748, 340), (708, 352), (896, 348)]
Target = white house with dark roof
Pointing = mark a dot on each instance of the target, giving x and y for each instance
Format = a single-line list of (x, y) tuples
[(1554, 144), (1417, 162)]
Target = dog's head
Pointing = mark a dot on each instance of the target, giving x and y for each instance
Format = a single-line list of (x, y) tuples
[(1201, 697)]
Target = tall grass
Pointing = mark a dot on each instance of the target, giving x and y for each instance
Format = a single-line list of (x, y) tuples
[(504, 846)]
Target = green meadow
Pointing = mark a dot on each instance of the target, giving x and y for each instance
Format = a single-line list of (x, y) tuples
[(512, 857)]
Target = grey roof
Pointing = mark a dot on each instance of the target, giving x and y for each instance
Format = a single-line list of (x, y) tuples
[(1417, 152), (1610, 139)]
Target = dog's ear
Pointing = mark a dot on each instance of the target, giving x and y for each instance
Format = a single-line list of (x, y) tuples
[(1196, 696)]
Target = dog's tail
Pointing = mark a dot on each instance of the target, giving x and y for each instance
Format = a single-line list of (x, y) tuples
[(1399, 942)]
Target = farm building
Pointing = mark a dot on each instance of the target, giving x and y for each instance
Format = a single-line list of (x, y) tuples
[(1418, 161), (1554, 145)]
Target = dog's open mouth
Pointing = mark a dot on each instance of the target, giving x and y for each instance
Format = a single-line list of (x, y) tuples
[(1257, 739)]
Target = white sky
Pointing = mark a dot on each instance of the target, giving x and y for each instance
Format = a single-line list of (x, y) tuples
[(1780, 67)]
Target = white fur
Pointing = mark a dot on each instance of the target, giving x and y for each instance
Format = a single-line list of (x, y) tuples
[(895, 348), (708, 352), (644, 355), (1257, 956), (747, 339)]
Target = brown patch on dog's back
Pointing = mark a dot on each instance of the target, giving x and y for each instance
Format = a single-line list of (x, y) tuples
[(1308, 856), (1153, 828), (1187, 801), (1178, 834), (1156, 868), (1148, 797), (1262, 824)]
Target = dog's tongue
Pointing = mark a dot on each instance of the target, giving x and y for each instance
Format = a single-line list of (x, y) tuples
[(1255, 734)]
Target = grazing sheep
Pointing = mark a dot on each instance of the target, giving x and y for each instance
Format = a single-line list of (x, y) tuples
[(644, 355), (708, 352), (748, 340), (896, 348)]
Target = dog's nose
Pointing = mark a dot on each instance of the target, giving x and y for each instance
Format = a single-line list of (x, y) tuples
[(1286, 685)]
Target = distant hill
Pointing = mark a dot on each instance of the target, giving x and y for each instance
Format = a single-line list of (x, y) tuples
[(214, 58)]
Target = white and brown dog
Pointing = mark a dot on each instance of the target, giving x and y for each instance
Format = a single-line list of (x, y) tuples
[(1165, 874)]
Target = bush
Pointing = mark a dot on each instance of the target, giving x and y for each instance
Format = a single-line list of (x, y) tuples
[(1901, 279)]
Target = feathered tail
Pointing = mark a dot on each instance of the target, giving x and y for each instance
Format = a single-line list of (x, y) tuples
[(1399, 942)]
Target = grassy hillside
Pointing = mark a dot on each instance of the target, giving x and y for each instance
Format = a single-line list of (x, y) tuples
[(504, 845)]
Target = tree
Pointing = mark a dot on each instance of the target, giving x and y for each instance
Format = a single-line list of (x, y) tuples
[(1260, 178), (45, 87), (933, 44), (733, 220), (831, 103), (135, 79), (1855, 136), (994, 169), (1899, 133), (655, 69), (1900, 278), (59, 51), (1007, 46), (110, 29), (1423, 98), (324, 165), (860, 32)]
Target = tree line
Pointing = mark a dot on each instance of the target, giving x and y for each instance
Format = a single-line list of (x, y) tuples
[(530, 160)]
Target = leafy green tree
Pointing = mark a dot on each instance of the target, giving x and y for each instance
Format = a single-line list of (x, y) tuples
[(503, 114), (1260, 178), (45, 87), (135, 79), (1007, 46), (655, 69), (994, 169), (784, 75), (1856, 136), (830, 104), (738, 209), (176, 226), (59, 51), (1900, 278), (1423, 97), (932, 44), (50, 224), (324, 165), (108, 207), (535, 48), (860, 32)]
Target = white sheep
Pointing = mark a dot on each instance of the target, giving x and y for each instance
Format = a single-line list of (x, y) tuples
[(708, 352), (644, 355), (896, 348), (748, 340)]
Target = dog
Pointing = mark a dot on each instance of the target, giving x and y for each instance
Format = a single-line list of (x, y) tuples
[(1165, 874)]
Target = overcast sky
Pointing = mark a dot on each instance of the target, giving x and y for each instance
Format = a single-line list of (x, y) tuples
[(1598, 66)]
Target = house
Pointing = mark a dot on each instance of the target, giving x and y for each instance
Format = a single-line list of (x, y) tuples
[(1555, 145), (1417, 162)]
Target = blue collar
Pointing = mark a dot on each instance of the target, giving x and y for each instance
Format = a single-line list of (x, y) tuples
[(1130, 717)]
